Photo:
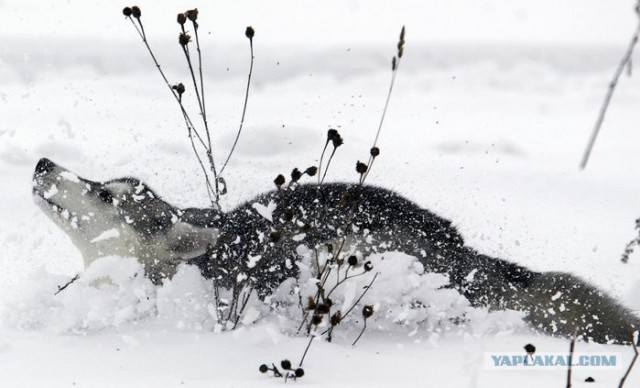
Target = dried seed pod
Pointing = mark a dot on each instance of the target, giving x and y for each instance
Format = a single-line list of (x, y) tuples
[(279, 181), (361, 168), (127, 11), (352, 261), (368, 266), (331, 134), (337, 141), (375, 151), (135, 12), (182, 19), (264, 368), (192, 14), (285, 364), (250, 32), (184, 39), (179, 88), (530, 349), (299, 372), (367, 311), (336, 318), (323, 308), (316, 319), (295, 175), (311, 303), (311, 171)]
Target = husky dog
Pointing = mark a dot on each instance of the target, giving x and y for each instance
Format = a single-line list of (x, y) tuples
[(258, 242)]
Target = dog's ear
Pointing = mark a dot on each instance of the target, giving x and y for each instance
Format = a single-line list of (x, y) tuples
[(187, 241)]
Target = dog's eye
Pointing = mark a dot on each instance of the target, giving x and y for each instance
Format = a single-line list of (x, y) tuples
[(105, 196)]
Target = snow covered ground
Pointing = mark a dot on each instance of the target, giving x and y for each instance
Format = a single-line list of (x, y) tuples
[(491, 111)]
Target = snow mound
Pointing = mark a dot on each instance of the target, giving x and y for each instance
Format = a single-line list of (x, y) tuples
[(113, 292), (404, 298)]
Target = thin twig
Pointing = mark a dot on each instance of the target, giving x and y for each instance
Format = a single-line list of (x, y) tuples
[(384, 113), (633, 361), (364, 327), (320, 164), (210, 190), (396, 64), (343, 280), (208, 148), (204, 105), (187, 55), (244, 305), (362, 295), (626, 60), (571, 348), (306, 350), (61, 288), (190, 127), (244, 109), (326, 169), (357, 301)]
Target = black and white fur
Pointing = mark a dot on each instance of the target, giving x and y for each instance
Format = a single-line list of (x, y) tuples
[(259, 240)]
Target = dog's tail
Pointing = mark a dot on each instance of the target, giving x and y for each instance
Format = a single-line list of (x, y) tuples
[(556, 303)]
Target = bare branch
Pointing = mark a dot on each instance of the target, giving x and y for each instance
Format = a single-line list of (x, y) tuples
[(624, 63)]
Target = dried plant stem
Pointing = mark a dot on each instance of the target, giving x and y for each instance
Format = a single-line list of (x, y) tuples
[(204, 105), (306, 350), (633, 361), (384, 113), (394, 70), (244, 108), (628, 250), (366, 289), (140, 31), (326, 169), (320, 163), (190, 133), (386, 104), (364, 327), (626, 61), (339, 282), (189, 123), (239, 313), (62, 288), (361, 295), (571, 349), (187, 55), (200, 97)]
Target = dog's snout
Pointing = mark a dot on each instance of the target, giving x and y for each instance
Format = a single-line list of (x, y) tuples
[(44, 166)]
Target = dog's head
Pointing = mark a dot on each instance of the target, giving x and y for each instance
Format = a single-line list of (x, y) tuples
[(122, 217)]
